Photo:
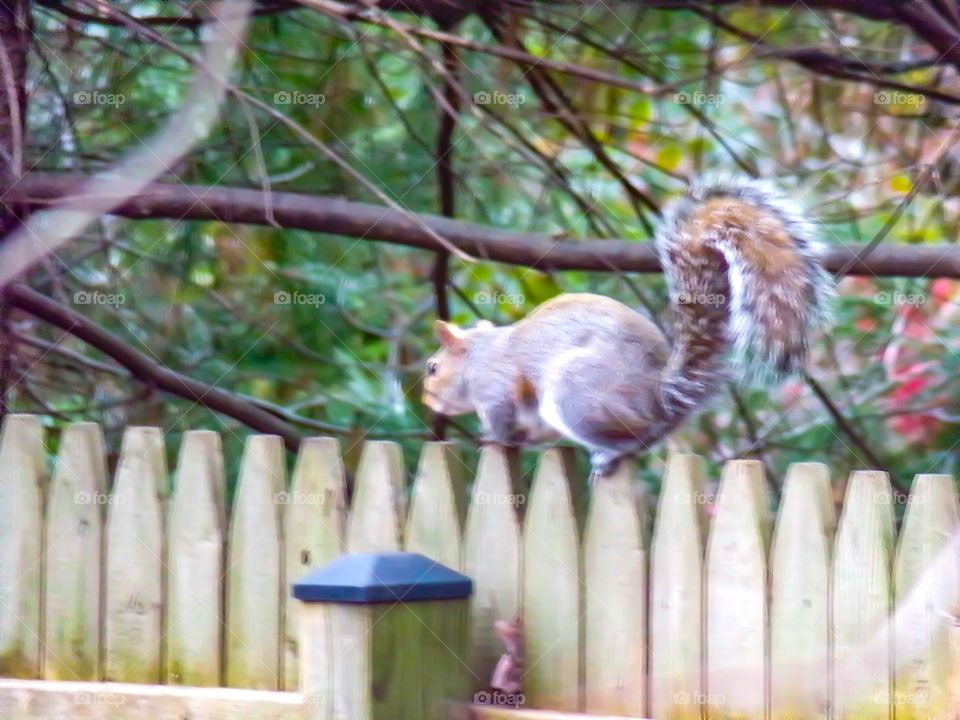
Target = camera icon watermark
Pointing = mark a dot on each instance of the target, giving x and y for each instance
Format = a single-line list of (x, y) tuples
[(513, 100), (708, 299), (95, 297), (896, 97), (499, 698), (295, 97), (95, 97), (900, 298), (498, 298), (97, 498), (282, 297), (698, 98)]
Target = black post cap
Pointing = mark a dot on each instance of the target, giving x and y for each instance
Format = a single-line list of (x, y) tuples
[(382, 577)]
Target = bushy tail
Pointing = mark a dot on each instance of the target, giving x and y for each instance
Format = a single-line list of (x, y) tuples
[(744, 274)]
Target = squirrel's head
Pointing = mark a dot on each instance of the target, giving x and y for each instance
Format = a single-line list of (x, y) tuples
[(445, 384)]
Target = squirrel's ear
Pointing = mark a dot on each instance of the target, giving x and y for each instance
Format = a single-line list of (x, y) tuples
[(450, 336), (484, 325)]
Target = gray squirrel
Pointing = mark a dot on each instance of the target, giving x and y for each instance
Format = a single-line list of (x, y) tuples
[(743, 274)]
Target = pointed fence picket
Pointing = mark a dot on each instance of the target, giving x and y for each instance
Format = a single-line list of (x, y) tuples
[(720, 612), (73, 557), (254, 578), (195, 560), (133, 612)]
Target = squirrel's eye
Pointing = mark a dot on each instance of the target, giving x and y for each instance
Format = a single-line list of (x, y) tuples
[(432, 368)]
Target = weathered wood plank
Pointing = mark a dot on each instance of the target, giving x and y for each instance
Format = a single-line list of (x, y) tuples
[(379, 504), (21, 541), (73, 550), (491, 559), (551, 590), (124, 701), (433, 525), (253, 569), (314, 517), (800, 598), (736, 598), (195, 557), (861, 596), (615, 599), (133, 596), (927, 593), (676, 593)]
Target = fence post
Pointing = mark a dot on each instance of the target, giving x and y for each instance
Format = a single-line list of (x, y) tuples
[(383, 636)]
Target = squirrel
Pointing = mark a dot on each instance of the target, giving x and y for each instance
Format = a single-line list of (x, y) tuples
[(743, 275)]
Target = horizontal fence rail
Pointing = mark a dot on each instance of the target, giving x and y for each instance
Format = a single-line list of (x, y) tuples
[(711, 607)]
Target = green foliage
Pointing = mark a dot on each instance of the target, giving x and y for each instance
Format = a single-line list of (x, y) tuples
[(347, 346)]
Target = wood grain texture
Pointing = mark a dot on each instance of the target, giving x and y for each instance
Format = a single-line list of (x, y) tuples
[(379, 503), (253, 569), (491, 559), (736, 598), (133, 599), (800, 598), (73, 546), (195, 561), (315, 512), (927, 593), (22, 483), (437, 506), (551, 590), (615, 599), (676, 593), (861, 599)]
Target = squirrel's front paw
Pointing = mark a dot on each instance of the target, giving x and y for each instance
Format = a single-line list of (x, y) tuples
[(603, 464)]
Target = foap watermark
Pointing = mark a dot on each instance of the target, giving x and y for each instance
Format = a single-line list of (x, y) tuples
[(282, 297), (484, 497), (499, 698), (895, 97), (299, 498), (496, 97), (95, 297), (97, 498), (710, 299), (95, 97), (99, 698), (699, 98), (295, 97), (902, 697), (698, 698), (900, 298), (498, 298), (698, 498)]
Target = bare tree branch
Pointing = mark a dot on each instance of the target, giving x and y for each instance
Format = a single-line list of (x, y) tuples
[(149, 370), (375, 223)]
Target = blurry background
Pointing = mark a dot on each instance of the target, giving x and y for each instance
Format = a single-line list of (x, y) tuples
[(564, 119)]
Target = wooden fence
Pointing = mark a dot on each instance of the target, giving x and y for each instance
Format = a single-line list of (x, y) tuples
[(712, 610)]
